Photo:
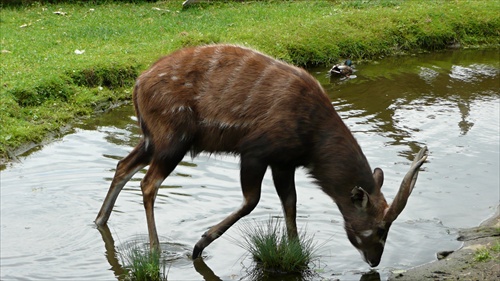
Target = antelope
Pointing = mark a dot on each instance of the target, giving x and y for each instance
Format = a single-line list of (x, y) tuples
[(232, 99)]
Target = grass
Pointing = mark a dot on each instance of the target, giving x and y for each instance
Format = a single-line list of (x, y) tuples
[(64, 61), (141, 263), (485, 254), (274, 252)]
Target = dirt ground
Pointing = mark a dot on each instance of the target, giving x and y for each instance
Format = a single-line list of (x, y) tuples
[(462, 264)]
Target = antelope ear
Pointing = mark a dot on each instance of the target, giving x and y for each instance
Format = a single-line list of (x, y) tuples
[(360, 198), (378, 176)]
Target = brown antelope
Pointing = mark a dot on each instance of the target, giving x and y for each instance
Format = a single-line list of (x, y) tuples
[(230, 99)]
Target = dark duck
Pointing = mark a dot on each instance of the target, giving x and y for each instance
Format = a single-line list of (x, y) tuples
[(342, 70)]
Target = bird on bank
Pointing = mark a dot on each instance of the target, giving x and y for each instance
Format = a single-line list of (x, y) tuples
[(342, 70)]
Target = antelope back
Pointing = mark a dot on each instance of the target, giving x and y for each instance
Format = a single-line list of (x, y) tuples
[(223, 98)]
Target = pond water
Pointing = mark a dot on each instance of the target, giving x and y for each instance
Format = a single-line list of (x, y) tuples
[(448, 101)]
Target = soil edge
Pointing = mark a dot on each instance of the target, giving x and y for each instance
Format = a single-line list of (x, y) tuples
[(461, 264)]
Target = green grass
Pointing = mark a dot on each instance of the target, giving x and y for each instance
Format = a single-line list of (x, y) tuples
[(274, 252), (482, 254), (496, 248), (142, 264), (45, 84), (485, 254)]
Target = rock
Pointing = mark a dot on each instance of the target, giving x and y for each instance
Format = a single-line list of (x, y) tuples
[(443, 254)]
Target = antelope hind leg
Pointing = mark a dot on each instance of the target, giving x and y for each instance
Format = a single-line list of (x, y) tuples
[(126, 168)]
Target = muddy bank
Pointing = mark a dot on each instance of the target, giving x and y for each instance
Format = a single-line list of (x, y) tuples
[(462, 264)]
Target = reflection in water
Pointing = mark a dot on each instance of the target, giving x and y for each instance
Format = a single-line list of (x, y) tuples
[(382, 92), (111, 253), (204, 270), (112, 256), (171, 253), (370, 276), (464, 124)]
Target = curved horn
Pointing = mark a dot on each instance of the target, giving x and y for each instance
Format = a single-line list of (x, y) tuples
[(406, 187)]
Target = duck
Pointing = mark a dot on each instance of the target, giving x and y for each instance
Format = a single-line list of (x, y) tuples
[(342, 70)]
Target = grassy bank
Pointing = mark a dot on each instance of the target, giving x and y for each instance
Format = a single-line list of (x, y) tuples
[(61, 61)]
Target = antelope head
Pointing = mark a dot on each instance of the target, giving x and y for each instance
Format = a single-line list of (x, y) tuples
[(368, 227)]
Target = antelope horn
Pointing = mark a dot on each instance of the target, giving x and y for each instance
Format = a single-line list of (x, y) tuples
[(399, 202)]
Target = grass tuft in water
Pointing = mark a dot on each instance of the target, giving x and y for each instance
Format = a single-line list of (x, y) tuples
[(274, 252), (141, 263)]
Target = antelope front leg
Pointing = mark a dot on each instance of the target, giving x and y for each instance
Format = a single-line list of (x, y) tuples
[(149, 186), (251, 175), (157, 172)]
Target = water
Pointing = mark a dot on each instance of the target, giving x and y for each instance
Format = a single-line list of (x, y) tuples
[(448, 101)]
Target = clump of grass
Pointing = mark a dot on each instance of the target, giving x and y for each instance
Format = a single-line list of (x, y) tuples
[(482, 254), (274, 252), (141, 263), (496, 247), (485, 254)]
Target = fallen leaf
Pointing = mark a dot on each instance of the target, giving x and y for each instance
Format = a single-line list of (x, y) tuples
[(60, 13), (398, 271), (79, 52), (158, 9)]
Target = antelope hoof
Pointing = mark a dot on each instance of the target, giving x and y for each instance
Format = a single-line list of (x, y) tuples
[(198, 248), (197, 252)]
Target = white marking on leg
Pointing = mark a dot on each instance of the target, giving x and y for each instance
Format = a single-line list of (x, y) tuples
[(146, 142)]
